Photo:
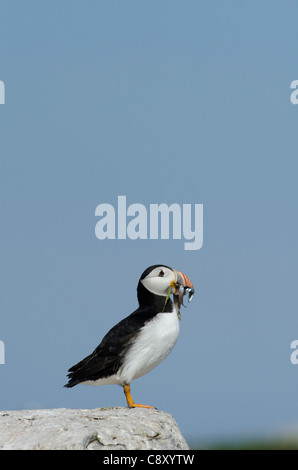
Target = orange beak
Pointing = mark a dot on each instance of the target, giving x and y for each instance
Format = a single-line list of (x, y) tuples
[(183, 280), (182, 285)]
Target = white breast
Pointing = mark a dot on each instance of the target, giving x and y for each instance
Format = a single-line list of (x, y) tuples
[(152, 345)]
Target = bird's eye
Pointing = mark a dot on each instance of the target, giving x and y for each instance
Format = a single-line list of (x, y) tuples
[(161, 273)]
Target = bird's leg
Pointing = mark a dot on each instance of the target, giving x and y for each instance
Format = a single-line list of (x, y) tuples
[(130, 402)]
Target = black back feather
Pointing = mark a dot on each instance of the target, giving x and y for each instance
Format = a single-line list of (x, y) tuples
[(109, 356)]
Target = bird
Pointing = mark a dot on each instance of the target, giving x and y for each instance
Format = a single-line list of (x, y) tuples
[(142, 340)]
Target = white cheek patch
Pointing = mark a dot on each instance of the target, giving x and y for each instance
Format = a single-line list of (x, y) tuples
[(156, 285)]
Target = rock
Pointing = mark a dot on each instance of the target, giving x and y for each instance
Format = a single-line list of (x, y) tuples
[(98, 429)]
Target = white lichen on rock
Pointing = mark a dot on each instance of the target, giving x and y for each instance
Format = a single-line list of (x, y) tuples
[(97, 429)]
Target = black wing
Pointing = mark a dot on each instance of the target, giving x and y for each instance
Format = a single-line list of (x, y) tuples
[(109, 356)]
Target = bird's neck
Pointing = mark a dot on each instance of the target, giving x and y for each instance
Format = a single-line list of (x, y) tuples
[(158, 303)]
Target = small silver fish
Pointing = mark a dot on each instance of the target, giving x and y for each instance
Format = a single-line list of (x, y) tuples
[(181, 294), (190, 293), (183, 291)]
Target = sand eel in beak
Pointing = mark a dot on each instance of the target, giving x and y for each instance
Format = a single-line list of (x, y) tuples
[(139, 342), (181, 287)]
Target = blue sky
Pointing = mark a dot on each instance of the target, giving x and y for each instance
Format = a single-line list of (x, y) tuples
[(163, 102)]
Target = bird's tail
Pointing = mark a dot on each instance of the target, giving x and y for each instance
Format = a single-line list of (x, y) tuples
[(75, 373), (72, 382)]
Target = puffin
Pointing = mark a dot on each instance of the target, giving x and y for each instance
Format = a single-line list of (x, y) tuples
[(142, 340)]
